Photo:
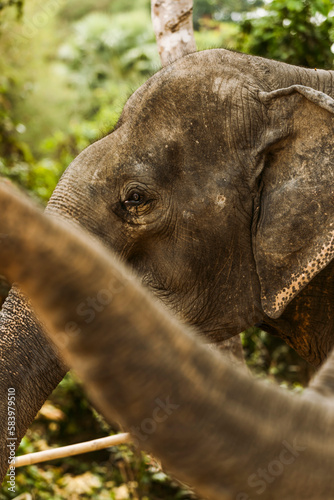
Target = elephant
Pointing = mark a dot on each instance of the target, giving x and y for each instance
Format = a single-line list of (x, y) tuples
[(215, 188), (214, 427)]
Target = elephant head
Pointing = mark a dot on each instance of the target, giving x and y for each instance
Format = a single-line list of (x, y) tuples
[(216, 188)]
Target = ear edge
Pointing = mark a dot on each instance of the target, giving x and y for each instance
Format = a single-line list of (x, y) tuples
[(316, 96), (274, 301), (273, 304)]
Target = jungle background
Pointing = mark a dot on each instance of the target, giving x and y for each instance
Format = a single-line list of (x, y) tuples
[(66, 70)]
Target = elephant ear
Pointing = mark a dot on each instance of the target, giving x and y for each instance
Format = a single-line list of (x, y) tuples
[(294, 233)]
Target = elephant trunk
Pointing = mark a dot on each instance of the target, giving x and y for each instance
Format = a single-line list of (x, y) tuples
[(30, 370), (30, 366)]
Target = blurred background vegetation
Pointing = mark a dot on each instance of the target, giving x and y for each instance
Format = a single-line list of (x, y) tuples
[(66, 69)]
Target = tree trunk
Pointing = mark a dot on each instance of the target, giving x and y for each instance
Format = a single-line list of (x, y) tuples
[(173, 27)]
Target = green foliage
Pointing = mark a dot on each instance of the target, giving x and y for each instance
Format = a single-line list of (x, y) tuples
[(214, 34), (104, 48), (78, 9), (17, 4), (270, 357), (299, 32), (55, 97), (105, 54), (220, 10)]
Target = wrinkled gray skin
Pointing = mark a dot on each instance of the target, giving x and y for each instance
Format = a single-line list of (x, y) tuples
[(218, 191)]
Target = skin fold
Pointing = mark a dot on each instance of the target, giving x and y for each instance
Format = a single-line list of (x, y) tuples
[(216, 189)]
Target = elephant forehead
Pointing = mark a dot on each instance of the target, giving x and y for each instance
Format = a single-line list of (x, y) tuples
[(225, 87), (171, 101)]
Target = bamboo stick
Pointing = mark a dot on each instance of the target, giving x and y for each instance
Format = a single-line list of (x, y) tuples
[(69, 451)]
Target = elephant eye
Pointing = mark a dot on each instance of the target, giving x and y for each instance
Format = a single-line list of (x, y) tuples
[(134, 199)]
